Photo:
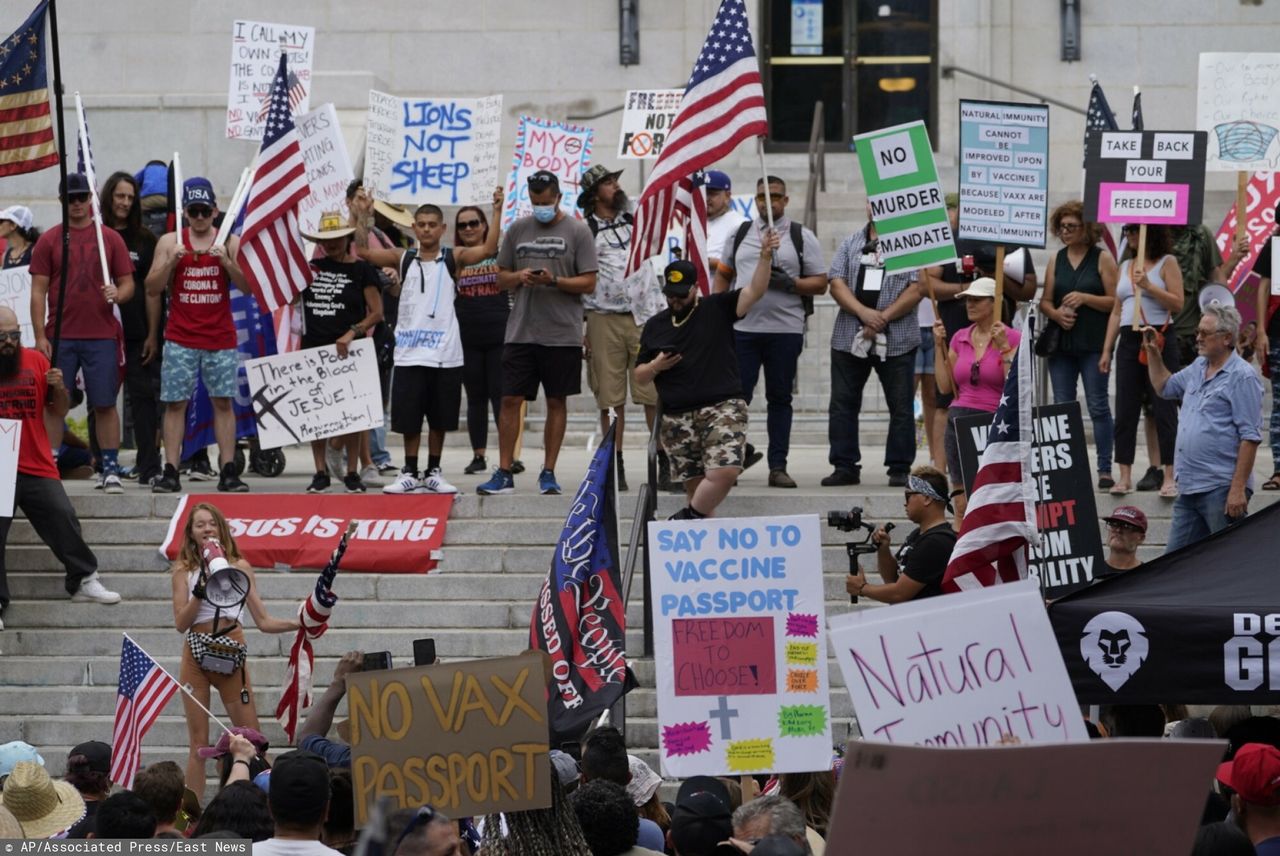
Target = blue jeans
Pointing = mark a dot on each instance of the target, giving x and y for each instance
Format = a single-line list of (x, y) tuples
[(1198, 515), (778, 354), (1063, 371), (378, 445), (848, 378)]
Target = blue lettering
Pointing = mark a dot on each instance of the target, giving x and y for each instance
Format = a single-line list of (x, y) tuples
[(423, 174), (446, 117)]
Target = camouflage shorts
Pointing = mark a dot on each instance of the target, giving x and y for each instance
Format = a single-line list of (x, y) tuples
[(705, 439)]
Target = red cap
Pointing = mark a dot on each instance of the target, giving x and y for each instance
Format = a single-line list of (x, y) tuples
[(1128, 514), (1254, 774)]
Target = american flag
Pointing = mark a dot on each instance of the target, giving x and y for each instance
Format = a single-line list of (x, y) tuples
[(723, 105), (1100, 117), (691, 213), (297, 94), (1000, 519), (145, 689), (26, 122), (271, 252)]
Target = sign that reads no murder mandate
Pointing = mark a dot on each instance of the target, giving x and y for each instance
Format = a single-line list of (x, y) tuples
[(906, 201), (1154, 177)]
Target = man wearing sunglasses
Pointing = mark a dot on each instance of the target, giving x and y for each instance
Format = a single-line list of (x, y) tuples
[(1126, 530), (89, 326), (200, 335)]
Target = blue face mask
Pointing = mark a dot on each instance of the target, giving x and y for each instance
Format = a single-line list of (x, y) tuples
[(544, 213)]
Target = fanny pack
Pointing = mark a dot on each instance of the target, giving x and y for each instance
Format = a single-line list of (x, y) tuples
[(216, 654)]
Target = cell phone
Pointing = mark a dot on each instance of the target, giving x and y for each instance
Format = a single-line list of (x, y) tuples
[(424, 652), (376, 662), (1149, 335)]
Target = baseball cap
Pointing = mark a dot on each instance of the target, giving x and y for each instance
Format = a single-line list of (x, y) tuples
[(223, 746), (1128, 514), (592, 177), (717, 180), (565, 768), (76, 184), (299, 784), (702, 818), (13, 752), (679, 278), (981, 287), (98, 753), (19, 215), (197, 191), (1254, 774)]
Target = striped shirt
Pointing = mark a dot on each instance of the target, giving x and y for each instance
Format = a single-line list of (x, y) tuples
[(902, 334)]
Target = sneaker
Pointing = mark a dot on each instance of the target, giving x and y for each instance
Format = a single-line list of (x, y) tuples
[(229, 482), (517, 467), (369, 475), (405, 483), (898, 479), (1152, 480), (388, 469), (168, 482), (752, 457), (335, 460), (842, 478), (319, 483), (201, 471), (353, 483), (435, 482), (111, 484), (93, 591), (478, 465), (129, 474), (547, 484), (500, 482)]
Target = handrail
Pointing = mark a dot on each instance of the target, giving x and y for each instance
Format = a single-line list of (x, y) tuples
[(951, 70), (817, 168), (646, 507)]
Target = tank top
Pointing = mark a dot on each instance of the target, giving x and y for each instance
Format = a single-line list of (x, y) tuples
[(207, 611), (200, 303), (1090, 330), (1153, 312)]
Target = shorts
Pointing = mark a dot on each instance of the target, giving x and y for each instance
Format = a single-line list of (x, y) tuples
[(99, 359), (951, 447), (558, 368), (924, 353), (615, 343), (425, 392), (708, 438), (180, 366)]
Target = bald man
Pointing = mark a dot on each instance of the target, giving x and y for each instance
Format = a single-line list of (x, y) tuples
[(29, 387)]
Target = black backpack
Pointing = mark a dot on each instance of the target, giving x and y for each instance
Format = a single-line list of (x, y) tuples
[(594, 225), (450, 263), (797, 240)]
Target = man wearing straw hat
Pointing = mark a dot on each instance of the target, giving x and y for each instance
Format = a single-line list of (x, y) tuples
[(42, 807)]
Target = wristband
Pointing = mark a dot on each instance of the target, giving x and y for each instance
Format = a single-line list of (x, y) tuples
[(241, 761)]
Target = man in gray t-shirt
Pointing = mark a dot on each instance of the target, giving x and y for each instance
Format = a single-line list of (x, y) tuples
[(549, 260)]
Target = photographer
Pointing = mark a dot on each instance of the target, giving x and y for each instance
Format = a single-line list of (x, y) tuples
[(916, 570)]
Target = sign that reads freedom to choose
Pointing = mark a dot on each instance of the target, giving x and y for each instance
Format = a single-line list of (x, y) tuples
[(1004, 172), (1154, 177), (905, 198)]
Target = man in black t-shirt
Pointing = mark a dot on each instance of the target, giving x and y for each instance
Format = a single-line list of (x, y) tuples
[(687, 351), (916, 570)]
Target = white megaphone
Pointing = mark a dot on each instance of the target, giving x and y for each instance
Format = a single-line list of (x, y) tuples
[(1015, 265), (226, 585)]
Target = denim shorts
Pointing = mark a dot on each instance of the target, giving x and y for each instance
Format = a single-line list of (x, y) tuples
[(182, 365), (924, 353), (99, 359)]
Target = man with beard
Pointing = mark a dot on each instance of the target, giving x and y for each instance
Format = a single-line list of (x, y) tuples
[(29, 388), (723, 219)]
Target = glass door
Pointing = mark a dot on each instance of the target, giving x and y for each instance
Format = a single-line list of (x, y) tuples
[(804, 61), (892, 64)]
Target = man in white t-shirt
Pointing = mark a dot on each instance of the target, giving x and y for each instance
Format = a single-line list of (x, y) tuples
[(298, 795), (722, 218)]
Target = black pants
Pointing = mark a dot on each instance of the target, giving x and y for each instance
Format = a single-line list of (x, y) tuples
[(482, 379), (45, 504), (142, 394), (1133, 386)]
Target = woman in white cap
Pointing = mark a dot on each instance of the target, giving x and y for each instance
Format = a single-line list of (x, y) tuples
[(19, 235)]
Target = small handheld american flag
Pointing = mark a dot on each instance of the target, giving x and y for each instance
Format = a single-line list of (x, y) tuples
[(145, 688)]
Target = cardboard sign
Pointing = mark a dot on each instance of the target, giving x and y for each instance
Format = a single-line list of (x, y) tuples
[(1144, 177), (380, 142), (1238, 103), (466, 738), (324, 152), (441, 151), (1016, 799), (1070, 553), (10, 440), (312, 394), (15, 293), (968, 669), (1004, 173), (1262, 197), (255, 57), (905, 197), (647, 115), (740, 642), (555, 146)]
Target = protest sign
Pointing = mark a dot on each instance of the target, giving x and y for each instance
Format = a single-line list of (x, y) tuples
[(1238, 103), (905, 198), (440, 151), (324, 152), (313, 393), (1144, 177), (969, 669), (15, 293), (647, 115), (1004, 173), (555, 146), (1144, 796), (396, 534), (466, 738), (1262, 195), (740, 642), (255, 56), (10, 441), (1070, 552)]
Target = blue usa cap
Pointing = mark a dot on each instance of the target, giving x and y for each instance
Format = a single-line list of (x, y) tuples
[(717, 180), (197, 191)]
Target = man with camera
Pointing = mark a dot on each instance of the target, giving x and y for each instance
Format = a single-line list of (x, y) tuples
[(916, 570)]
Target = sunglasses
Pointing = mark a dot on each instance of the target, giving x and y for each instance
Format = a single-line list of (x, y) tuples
[(1069, 227), (975, 368), (539, 183), (199, 211), (1122, 527), (470, 224), (11, 335), (78, 198), (776, 197)]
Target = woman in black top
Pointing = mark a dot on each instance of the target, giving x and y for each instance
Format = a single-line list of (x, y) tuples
[(19, 235), (482, 310), (1079, 292)]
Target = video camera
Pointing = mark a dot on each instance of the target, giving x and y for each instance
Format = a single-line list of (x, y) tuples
[(851, 521)]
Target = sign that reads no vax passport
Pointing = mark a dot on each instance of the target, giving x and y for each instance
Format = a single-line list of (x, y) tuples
[(1004, 173), (1154, 177)]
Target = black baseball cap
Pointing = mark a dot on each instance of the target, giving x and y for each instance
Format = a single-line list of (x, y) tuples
[(679, 278), (702, 818), (299, 787), (76, 184), (96, 752)]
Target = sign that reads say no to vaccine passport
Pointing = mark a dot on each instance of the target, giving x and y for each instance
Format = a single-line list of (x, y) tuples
[(905, 197), (1154, 177)]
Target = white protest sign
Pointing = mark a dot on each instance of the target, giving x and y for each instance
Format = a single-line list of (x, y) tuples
[(379, 141), (647, 115), (10, 441), (15, 293), (740, 646), (1238, 103), (312, 394), (556, 147), (255, 56), (324, 152), (967, 669)]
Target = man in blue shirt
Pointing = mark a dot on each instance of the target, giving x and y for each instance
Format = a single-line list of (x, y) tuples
[(1219, 427)]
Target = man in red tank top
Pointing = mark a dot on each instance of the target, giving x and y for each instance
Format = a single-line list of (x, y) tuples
[(200, 336)]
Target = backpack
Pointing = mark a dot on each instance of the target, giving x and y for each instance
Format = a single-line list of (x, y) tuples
[(450, 263), (627, 220), (797, 240)]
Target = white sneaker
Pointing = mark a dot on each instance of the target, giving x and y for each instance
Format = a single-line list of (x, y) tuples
[(93, 591), (369, 475), (336, 461), (435, 483), (111, 484), (405, 483)]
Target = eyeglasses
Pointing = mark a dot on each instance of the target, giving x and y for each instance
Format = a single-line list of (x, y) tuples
[(776, 197), (78, 198), (11, 335), (470, 224), (1069, 227), (425, 815), (1118, 526), (1204, 334), (199, 211)]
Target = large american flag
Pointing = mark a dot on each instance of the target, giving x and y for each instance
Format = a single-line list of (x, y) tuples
[(271, 253), (691, 214), (26, 122), (1000, 519), (723, 105), (145, 689)]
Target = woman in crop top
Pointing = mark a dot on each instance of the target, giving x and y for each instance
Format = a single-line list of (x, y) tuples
[(1158, 282), (194, 616)]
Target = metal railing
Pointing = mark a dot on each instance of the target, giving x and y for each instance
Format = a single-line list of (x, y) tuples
[(953, 70), (638, 545), (817, 168)]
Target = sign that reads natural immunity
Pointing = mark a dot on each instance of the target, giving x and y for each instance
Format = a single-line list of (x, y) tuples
[(1004, 173), (1154, 177)]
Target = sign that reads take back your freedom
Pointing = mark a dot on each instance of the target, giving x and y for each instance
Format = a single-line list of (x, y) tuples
[(1004, 173), (1154, 177)]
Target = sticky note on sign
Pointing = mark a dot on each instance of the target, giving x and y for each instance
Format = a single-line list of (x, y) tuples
[(747, 755), (801, 720), (686, 738), (802, 680), (802, 653)]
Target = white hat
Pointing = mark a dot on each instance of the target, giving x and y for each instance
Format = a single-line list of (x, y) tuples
[(19, 215), (982, 287)]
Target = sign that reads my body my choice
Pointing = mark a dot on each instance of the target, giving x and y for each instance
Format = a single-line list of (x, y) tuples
[(1004, 173)]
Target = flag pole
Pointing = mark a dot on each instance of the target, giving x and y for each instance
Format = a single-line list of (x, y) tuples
[(181, 685), (177, 202), (237, 200), (62, 176), (82, 129), (764, 176)]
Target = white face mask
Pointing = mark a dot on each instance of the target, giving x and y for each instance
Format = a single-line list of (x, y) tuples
[(544, 213)]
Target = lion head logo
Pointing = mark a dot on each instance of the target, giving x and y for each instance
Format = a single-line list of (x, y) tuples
[(1114, 645)]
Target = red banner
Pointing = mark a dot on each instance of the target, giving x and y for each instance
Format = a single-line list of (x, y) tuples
[(396, 534), (1260, 212)]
